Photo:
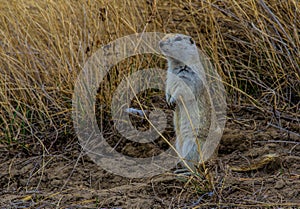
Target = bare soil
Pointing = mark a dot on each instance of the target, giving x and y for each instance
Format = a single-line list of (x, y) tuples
[(257, 166)]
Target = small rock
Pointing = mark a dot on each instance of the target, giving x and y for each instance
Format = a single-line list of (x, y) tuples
[(279, 184)]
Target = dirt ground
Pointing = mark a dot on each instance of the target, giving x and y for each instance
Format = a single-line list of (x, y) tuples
[(257, 166)]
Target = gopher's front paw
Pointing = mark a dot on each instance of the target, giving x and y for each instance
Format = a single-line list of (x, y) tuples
[(171, 101)]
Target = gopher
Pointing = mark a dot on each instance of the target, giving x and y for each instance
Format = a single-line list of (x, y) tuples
[(186, 86)]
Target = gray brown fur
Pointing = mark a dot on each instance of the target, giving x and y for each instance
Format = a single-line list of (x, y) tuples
[(186, 86)]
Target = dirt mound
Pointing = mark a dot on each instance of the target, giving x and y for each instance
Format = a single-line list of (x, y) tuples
[(257, 165)]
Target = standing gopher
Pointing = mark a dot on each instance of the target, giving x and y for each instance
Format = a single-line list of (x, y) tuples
[(186, 86)]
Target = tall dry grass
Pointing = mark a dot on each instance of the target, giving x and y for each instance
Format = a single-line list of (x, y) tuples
[(254, 44)]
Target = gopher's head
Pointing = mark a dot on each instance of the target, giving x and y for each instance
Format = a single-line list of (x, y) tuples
[(180, 48)]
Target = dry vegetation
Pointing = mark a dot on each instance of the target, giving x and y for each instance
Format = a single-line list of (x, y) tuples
[(254, 44)]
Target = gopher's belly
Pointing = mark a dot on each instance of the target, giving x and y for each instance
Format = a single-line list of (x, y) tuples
[(191, 127)]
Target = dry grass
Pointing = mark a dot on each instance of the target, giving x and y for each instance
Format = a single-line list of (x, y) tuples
[(43, 46), (254, 45)]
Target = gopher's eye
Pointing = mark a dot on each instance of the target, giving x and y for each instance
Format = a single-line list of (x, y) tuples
[(192, 41)]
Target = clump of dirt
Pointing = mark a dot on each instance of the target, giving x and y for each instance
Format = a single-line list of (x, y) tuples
[(257, 165)]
